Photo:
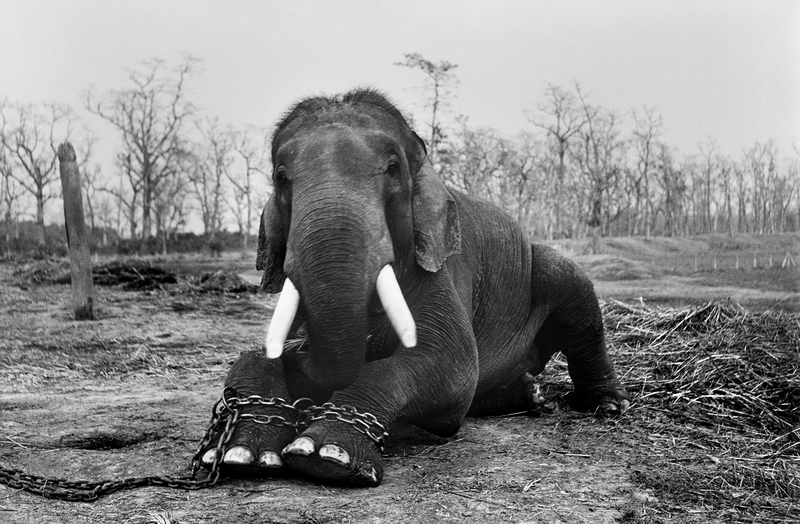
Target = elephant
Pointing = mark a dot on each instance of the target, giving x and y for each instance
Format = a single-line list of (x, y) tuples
[(415, 303)]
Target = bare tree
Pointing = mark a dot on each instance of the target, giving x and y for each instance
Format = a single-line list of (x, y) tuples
[(30, 141), (150, 115), (743, 196), (647, 130), (91, 177), (252, 149), (10, 200), (475, 161), (725, 182), (673, 190), (439, 84), (126, 196), (170, 208), (561, 117), (210, 162), (709, 172), (599, 163), (761, 164)]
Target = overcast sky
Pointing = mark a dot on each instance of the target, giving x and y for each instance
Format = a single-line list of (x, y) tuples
[(723, 69)]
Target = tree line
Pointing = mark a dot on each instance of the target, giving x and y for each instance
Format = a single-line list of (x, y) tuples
[(584, 170), (172, 161), (581, 170)]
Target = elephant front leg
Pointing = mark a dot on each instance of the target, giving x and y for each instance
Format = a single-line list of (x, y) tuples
[(255, 447), (430, 386)]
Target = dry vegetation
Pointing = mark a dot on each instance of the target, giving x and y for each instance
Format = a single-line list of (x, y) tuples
[(713, 434), (717, 394)]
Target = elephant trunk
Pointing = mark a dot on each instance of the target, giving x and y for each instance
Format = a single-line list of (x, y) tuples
[(334, 263), (333, 282)]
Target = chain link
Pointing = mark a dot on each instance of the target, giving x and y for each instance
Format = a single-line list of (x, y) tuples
[(225, 414), (365, 423)]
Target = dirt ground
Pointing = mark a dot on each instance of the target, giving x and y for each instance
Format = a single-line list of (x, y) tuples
[(129, 395)]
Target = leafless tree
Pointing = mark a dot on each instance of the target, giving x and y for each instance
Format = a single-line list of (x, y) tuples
[(10, 201), (597, 157), (91, 177), (646, 133), (170, 208), (150, 115), (30, 139), (725, 184), (561, 117), (761, 165), (210, 162), (439, 84), (252, 149)]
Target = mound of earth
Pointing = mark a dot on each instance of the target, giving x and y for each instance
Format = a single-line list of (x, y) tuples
[(132, 275), (224, 282), (609, 267), (47, 271)]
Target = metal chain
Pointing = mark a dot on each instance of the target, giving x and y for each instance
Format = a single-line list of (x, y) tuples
[(225, 414), (84, 491), (365, 423)]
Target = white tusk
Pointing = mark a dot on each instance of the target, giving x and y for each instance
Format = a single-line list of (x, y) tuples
[(395, 306), (282, 319)]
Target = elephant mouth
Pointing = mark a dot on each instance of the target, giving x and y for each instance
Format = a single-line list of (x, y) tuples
[(390, 296)]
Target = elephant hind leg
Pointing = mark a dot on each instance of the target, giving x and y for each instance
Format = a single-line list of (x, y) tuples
[(521, 395), (574, 326), (582, 341)]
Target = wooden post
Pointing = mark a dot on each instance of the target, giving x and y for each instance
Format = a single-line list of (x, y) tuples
[(78, 241)]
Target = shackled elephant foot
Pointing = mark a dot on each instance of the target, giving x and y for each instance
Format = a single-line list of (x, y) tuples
[(254, 450), (334, 453)]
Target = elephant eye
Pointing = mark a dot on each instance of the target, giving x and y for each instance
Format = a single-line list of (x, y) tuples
[(393, 168), (280, 177)]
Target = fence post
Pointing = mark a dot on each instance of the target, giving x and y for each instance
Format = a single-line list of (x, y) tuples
[(77, 240)]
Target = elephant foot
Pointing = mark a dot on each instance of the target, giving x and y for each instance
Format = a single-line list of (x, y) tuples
[(335, 453), (254, 449), (611, 400)]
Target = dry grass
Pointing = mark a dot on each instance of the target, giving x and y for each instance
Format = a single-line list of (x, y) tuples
[(717, 389)]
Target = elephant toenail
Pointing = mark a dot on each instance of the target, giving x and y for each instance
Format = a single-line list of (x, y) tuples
[(334, 454), (238, 455), (300, 446), (208, 457), (270, 459)]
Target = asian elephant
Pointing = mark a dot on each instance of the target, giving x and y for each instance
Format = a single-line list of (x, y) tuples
[(416, 302)]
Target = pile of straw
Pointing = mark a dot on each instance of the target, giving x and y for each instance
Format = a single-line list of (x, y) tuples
[(718, 390)]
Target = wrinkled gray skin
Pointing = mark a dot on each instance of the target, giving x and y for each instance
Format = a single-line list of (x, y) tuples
[(354, 191)]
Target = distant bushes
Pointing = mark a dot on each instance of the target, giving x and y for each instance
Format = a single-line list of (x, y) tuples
[(21, 243)]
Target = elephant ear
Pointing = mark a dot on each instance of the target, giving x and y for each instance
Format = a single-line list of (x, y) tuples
[(271, 248), (437, 231)]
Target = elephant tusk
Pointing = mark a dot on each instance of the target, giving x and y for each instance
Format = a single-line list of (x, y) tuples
[(282, 319), (395, 306)]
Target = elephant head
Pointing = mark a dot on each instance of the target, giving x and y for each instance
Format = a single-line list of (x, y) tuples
[(356, 208)]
